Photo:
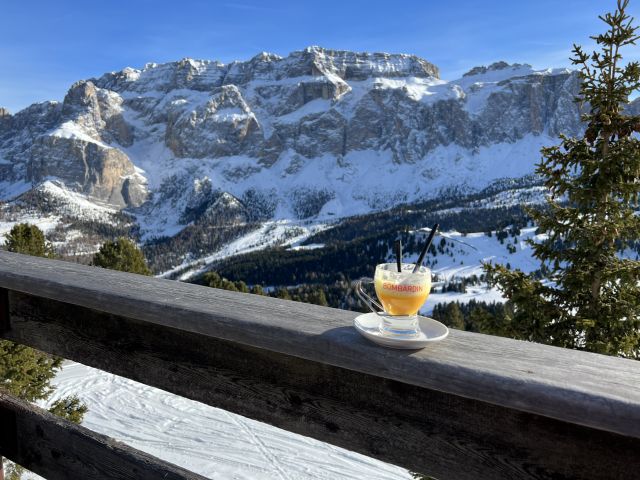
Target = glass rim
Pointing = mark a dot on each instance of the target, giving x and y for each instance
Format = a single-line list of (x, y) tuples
[(392, 268)]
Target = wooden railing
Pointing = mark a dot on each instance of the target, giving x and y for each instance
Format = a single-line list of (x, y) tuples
[(470, 407)]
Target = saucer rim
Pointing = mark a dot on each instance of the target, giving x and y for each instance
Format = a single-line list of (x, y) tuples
[(393, 342)]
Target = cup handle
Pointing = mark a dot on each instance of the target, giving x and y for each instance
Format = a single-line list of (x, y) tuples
[(370, 302)]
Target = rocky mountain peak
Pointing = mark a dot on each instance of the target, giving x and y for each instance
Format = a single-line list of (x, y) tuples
[(496, 66), (350, 65), (82, 94), (265, 57), (205, 75), (82, 101)]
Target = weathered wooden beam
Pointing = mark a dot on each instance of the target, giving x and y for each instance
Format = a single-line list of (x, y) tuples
[(576, 387), (60, 450), (444, 435)]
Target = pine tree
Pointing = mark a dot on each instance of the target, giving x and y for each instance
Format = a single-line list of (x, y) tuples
[(28, 239), (214, 280), (283, 293), (241, 286), (453, 316), (122, 255), (496, 322), (26, 373), (592, 299), (318, 297)]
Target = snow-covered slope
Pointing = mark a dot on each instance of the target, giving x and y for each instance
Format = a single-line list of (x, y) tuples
[(463, 258), (270, 234), (207, 440)]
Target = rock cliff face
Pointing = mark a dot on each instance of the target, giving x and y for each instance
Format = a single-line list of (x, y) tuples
[(71, 141), (319, 132)]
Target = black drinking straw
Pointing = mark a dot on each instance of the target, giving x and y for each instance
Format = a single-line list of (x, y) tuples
[(426, 248), (398, 249)]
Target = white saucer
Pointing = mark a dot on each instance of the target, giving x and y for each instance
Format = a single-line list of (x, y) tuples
[(431, 330)]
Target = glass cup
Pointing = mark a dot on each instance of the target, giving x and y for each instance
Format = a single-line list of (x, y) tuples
[(401, 296)]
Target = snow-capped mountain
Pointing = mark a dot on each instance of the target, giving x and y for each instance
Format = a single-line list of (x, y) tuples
[(319, 133)]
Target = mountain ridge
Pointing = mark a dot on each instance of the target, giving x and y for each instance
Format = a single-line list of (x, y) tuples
[(318, 134)]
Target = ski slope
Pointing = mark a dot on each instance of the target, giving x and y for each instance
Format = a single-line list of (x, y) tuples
[(207, 440)]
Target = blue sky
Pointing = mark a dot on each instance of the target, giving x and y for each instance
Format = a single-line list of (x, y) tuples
[(48, 45)]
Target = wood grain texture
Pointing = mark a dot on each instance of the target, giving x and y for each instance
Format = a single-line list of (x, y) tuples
[(60, 450), (582, 388), (4, 311), (444, 435)]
